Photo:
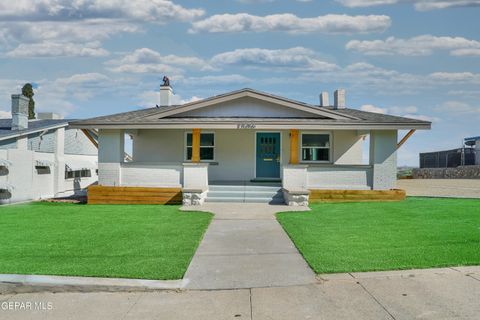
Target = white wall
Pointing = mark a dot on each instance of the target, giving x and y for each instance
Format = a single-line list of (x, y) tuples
[(79, 185), (383, 158), (234, 150), (339, 177), (30, 183), (347, 147), (111, 150), (151, 174)]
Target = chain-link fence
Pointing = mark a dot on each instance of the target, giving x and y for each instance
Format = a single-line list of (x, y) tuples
[(448, 159)]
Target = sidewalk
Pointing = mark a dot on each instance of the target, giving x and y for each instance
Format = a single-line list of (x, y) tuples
[(245, 247), (430, 294)]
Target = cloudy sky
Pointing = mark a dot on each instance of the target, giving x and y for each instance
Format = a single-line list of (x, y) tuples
[(415, 58)]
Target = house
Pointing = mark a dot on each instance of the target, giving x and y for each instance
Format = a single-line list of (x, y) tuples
[(44, 157), (245, 145)]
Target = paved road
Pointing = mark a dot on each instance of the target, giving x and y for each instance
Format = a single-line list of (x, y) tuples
[(461, 188), (245, 247), (447, 293)]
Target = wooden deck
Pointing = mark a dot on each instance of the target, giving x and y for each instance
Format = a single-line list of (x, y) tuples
[(319, 195), (133, 195)]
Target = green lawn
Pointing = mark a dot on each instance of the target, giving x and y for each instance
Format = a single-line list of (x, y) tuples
[(128, 241), (367, 236)]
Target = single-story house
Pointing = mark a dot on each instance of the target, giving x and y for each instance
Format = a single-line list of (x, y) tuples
[(245, 145), (43, 157)]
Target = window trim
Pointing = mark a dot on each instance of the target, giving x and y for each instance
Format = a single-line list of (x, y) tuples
[(213, 147), (330, 152)]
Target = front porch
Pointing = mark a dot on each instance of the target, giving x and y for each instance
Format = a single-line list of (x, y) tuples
[(234, 165)]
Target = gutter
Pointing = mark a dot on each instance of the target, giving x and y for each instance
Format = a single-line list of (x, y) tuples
[(29, 132)]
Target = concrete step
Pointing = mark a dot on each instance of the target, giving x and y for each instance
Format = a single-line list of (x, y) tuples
[(244, 188), (244, 200), (269, 193), (246, 194)]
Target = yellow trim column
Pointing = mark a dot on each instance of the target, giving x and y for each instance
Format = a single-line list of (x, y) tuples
[(196, 145), (293, 146)]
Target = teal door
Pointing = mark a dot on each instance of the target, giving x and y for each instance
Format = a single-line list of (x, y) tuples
[(268, 155)]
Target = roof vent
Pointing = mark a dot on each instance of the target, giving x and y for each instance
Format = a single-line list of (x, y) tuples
[(324, 99), (339, 97)]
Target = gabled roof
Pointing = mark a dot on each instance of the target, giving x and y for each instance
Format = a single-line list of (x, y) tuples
[(34, 126), (325, 117), (251, 93)]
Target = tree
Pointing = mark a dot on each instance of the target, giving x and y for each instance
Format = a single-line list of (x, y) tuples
[(27, 91)]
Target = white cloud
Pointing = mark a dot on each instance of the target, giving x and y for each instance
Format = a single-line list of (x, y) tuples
[(421, 5), (145, 60), (417, 46), (331, 23), (53, 49), (220, 79), (41, 25), (456, 77), (458, 108), (298, 58), (372, 108), (149, 99), (157, 11), (407, 112)]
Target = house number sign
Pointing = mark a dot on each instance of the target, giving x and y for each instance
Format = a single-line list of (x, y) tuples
[(246, 126)]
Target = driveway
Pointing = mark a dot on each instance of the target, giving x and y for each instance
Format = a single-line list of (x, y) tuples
[(457, 188), (245, 247), (447, 293)]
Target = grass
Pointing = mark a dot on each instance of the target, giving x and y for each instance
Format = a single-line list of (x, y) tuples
[(127, 241), (369, 236)]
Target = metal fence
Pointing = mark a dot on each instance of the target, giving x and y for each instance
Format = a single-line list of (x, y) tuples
[(448, 158)]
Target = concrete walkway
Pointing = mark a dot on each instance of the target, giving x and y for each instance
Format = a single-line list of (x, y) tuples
[(245, 247), (446, 293)]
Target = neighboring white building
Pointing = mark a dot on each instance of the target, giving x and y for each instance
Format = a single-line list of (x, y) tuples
[(43, 158), (246, 137)]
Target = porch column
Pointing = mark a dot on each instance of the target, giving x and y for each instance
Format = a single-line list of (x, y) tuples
[(293, 146), (383, 159), (196, 145), (111, 151)]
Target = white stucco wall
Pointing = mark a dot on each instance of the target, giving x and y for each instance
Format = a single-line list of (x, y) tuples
[(234, 150), (32, 183)]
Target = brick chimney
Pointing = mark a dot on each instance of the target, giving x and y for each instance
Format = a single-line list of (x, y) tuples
[(19, 112), (324, 99), (339, 97), (166, 93)]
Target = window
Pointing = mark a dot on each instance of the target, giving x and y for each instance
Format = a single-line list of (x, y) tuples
[(84, 173), (315, 147), (207, 146)]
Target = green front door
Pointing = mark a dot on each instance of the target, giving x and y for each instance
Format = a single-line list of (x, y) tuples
[(268, 155)]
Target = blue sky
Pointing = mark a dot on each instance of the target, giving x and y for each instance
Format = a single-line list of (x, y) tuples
[(416, 58)]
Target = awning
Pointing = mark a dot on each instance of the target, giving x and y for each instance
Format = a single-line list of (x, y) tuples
[(77, 165), (5, 163), (7, 187), (44, 163)]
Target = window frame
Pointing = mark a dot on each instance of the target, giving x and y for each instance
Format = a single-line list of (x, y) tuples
[(185, 148), (330, 148)]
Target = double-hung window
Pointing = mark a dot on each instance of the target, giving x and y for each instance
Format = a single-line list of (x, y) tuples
[(316, 147), (207, 146)]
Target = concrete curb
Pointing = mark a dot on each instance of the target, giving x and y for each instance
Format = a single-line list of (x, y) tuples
[(92, 281)]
